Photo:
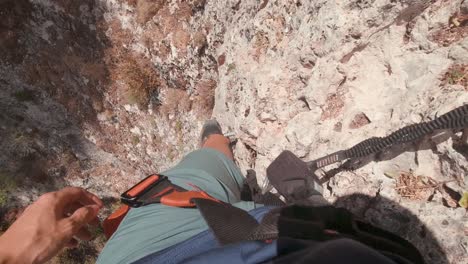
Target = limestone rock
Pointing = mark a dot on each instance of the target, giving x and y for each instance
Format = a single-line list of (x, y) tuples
[(335, 73), (458, 52)]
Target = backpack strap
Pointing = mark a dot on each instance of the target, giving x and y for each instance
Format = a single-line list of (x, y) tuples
[(251, 191), (231, 225)]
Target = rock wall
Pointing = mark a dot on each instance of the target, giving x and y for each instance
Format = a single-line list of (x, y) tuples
[(100, 93)]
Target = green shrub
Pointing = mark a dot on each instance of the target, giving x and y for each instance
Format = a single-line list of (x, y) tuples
[(24, 95), (3, 198), (178, 126), (135, 140), (7, 185)]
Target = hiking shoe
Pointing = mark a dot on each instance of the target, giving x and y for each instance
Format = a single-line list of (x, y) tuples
[(211, 127)]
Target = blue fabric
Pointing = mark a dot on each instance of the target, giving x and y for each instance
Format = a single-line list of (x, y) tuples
[(245, 252), (203, 248)]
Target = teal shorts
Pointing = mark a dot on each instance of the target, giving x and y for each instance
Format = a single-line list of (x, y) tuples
[(155, 227)]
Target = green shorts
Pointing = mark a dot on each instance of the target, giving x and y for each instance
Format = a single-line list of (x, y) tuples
[(155, 227)]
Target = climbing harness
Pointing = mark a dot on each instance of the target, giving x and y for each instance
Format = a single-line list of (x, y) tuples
[(153, 189), (231, 225), (159, 189)]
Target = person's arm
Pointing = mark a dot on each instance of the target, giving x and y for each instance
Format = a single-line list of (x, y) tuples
[(51, 223)]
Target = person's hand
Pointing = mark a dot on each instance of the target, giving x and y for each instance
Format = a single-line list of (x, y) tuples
[(54, 221)]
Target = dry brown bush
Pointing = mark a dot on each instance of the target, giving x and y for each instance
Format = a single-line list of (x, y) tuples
[(454, 31), (456, 75), (175, 101), (414, 187), (140, 79), (204, 101)]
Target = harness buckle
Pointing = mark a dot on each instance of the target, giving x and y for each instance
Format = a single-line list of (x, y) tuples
[(153, 189), (159, 189)]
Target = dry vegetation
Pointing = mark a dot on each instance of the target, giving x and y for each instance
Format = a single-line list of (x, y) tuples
[(175, 102), (261, 44), (423, 188), (8, 184), (415, 187), (456, 30), (334, 104), (141, 82), (205, 100), (456, 75)]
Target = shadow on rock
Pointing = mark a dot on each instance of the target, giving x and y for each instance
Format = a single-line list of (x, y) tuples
[(392, 217), (52, 81)]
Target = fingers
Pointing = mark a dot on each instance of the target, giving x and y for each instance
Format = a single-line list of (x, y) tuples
[(84, 234), (75, 206), (84, 215), (70, 195), (95, 222), (79, 219), (73, 243), (78, 209), (71, 208)]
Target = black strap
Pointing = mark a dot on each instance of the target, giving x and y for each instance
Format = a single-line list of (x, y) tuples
[(455, 119), (251, 191), (337, 251), (228, 223)]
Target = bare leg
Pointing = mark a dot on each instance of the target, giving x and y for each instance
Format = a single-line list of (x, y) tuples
[(220, 143)]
